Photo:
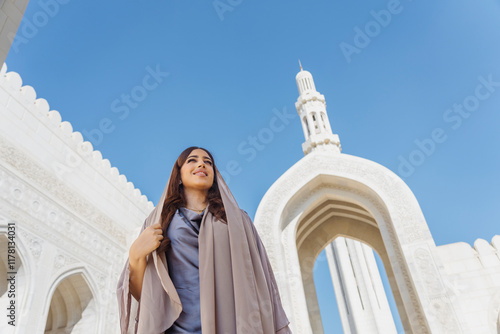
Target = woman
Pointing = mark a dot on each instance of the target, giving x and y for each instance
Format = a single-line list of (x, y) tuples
[(198, 263)]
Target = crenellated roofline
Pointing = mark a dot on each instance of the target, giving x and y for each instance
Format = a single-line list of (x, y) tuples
[(39, 108)]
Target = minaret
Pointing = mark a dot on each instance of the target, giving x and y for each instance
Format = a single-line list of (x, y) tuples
[(359, 291), (311, 107)]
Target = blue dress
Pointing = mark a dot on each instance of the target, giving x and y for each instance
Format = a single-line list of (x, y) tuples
[(183, 268)]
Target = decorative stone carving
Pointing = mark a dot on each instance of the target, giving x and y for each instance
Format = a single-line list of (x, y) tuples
[(37, 175), (62, 260), (34, 244)]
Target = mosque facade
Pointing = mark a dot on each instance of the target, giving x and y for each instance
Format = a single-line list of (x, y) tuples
[(67, 219)]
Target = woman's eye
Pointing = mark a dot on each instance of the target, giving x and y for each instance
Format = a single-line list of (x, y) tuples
[(207, 162)]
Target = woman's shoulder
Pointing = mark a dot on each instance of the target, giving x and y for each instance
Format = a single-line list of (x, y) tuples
[(247, 219), (244, 212)]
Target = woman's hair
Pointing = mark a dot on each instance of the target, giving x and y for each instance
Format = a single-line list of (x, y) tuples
[(174, 199)]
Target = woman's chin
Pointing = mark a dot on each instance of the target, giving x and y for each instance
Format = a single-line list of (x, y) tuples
[(199, 186)]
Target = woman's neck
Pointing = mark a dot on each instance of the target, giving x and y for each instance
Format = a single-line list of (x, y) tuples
[(195, 199)]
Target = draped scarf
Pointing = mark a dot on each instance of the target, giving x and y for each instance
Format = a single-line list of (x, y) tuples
[(238, 290)]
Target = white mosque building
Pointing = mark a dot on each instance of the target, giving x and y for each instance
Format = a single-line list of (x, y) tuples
[(72, 217)]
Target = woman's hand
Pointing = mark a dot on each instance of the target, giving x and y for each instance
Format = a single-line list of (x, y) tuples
[(146, 242)]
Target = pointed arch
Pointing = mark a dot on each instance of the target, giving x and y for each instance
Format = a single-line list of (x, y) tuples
[(325, 195), (72, 304), (329, 215)]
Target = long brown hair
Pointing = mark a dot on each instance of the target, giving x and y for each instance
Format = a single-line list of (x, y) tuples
[(175, 199)]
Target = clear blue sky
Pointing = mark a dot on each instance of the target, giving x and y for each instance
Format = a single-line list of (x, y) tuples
[(221, 74)]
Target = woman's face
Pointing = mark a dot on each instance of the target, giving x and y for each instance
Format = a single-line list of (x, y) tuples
[(197, 171)]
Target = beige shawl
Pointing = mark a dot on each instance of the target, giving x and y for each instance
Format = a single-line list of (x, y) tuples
[(238, 291)]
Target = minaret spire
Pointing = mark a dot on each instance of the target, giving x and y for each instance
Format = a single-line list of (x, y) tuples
[(311, 107)]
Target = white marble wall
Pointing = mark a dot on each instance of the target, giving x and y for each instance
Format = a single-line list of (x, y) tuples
[(474, 282), (74, 217)]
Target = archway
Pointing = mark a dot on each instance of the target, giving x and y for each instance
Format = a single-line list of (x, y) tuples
[(327, 194), (326, 219), (72, 307)]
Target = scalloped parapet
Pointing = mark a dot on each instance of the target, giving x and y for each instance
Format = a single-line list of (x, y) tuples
[(471, 277), (488, 253), (495, 242), (44, 127), (461, 256)]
